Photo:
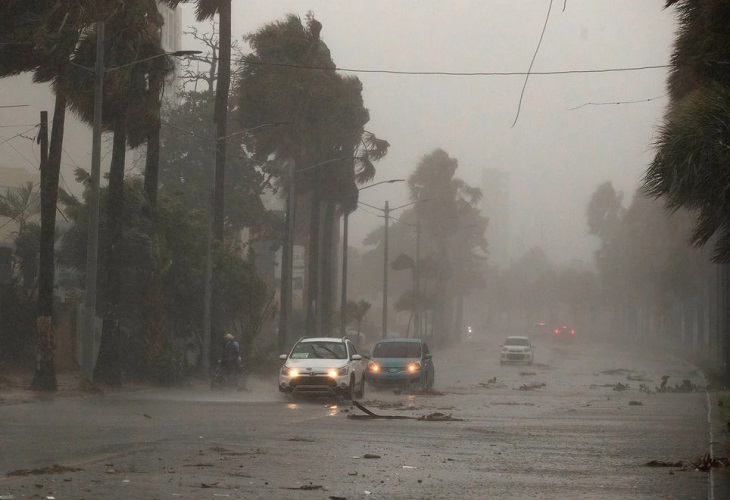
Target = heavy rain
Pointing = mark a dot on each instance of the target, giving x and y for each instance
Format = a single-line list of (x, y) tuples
[(365, 249)]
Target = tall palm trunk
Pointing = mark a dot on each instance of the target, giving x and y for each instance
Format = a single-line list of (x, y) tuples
[(313, 261), (108, 367), (45, 372), (326, 281), (221, 112)]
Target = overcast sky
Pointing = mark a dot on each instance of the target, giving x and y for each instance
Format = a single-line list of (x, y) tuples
[(556, 154), (566, 140)]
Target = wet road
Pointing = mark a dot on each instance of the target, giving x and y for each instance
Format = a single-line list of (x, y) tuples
[(556, 429)]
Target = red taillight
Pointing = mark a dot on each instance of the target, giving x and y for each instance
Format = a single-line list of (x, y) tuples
[(557, 331), (572, 332)]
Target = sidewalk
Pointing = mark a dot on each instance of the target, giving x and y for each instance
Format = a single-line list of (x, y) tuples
[(15, 386)]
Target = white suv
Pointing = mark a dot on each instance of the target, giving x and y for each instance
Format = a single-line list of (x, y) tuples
[(323, 365)]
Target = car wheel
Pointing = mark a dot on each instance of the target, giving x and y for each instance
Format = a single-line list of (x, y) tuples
[(361, 392), (431, 381)]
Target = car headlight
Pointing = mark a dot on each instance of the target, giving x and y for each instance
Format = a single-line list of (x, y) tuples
[(336, 372), (290, 372), (505, 349), (374, 367), (414, 367)]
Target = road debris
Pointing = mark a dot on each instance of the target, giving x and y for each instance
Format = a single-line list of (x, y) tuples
[(433, 417), (685, 386), (306, 487), (636, 403), (527, 374), (620, 387), (370, 455), (53, 469), (707, 462), (660, 463), (492, 384), (531, 387)]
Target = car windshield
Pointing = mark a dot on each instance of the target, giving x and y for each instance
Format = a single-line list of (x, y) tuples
[(397, 350), (516, 341), (319, 350)]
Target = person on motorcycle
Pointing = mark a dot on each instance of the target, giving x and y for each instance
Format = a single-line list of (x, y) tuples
[(231, 360)]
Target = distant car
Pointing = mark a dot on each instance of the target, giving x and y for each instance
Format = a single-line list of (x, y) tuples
[(323, 365), (517, 350), (401, 362), (564, 333)]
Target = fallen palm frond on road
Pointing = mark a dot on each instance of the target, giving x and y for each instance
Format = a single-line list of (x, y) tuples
[(433, 417)]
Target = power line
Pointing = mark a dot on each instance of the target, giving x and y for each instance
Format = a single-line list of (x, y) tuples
[(534, 56), (247, 60), (617, 102)]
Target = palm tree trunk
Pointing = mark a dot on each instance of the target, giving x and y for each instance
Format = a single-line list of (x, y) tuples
[(221, 112), (108, 367), (313, 262), (326, 284), (45, 372)]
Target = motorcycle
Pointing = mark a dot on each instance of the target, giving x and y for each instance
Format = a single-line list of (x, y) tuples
[(228, 378)]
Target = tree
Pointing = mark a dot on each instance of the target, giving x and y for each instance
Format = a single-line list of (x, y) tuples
[(690, 165), (131, 107), (40, 37), (357, 311), (290, 80), (444, 204)]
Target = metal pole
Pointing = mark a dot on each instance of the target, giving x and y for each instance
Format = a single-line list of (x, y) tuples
[(92, 242), (208, 307), (287, 254), (343, 296), (385, 273), (417, 286)]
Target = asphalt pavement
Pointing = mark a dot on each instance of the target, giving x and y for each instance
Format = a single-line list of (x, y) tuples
[(587, 420)]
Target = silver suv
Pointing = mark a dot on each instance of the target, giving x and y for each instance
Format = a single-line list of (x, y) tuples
[(323, 365)]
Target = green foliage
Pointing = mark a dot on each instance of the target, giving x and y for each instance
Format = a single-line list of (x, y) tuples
[(690, 166), (186, 165), (170, 250)]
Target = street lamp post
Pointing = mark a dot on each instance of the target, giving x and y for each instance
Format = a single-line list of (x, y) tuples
[(386, 211), (92, 243)]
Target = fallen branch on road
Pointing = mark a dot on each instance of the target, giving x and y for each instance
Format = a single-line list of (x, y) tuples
[(433, 417)]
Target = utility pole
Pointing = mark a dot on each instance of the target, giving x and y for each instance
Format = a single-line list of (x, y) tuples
[(92, 245), (386, 211), (417, 284), (287, 254)]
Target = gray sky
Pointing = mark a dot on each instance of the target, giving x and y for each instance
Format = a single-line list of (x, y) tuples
[(556, 156)]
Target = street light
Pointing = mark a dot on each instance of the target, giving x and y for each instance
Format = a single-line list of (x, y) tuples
[(345, 230), (92, 243)]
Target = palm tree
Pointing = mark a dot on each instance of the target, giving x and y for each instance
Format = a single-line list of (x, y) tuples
[(324, 119), (450, 201), (40, 37), (130, 109), (690, 165)]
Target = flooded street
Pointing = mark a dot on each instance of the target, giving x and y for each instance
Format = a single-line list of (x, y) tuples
[(583, 421)]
